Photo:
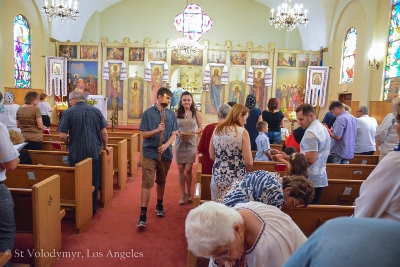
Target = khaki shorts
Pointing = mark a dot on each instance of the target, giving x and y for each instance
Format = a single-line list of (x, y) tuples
[(149, 167)]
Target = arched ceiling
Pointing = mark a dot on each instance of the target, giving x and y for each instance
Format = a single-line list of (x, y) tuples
[(313, 36)]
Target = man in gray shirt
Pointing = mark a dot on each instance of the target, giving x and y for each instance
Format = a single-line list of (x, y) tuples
[(366, 129)]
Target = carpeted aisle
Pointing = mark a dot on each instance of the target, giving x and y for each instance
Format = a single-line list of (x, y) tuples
[(112, 238)]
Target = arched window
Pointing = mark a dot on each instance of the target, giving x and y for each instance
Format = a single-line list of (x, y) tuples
[(349, 56), (392, 69), (192, 22), (22, 53)]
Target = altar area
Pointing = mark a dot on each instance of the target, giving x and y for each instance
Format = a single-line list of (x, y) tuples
[(129, 74)]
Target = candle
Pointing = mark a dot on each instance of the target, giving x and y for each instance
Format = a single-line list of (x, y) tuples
[(165, 98)]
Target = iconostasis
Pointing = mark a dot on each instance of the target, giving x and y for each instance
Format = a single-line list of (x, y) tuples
[(129, 74)]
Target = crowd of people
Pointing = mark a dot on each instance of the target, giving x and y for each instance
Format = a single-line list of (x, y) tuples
[(243, 224), (219, 232)]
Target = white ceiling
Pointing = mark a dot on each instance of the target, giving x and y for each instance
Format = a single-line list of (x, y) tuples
[(316, 29)]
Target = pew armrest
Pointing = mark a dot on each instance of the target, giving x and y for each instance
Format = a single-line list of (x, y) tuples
[(62, 213)]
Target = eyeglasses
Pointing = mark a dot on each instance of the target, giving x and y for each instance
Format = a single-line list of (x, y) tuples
[(395, 122), (359, 111), (71, 99), (222, 256)]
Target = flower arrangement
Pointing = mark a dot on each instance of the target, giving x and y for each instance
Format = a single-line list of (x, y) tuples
[(92, 102), (62, 105), (283, 109)]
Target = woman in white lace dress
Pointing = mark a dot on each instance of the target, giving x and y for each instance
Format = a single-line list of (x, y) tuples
[(231, 151)]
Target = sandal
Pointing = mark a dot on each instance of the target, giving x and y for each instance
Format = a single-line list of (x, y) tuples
[(189, 198), (182, 200)]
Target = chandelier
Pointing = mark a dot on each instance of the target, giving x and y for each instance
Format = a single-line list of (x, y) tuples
[(185, 47), (61, 9), (289, 17)]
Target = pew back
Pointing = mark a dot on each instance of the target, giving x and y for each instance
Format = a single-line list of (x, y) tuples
[(132, 150), (365, 159), (341, 192), (60, 158), (37, 211), (310, 218), (75, 190), (270, 166), (348, 171), (120, 163)]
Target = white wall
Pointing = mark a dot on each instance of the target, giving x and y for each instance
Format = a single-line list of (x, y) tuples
[(239, 21)]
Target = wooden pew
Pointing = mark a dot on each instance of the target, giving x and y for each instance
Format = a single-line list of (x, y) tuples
[(333, 193), (53, 137), (273, 146), (369, 159), (270, 166), (310, 218), (75, 184), (120, 163), (4, 258), (132, 151), (127, 135), (348, 171), (37, 211), (48, 145), (60, 158)]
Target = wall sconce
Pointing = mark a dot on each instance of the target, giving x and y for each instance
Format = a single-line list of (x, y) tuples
[(373, 64)]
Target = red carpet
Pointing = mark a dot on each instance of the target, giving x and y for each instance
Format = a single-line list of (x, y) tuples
[(112, 238)]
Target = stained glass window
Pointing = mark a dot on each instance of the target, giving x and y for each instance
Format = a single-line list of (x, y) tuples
[(192, 22), (349, 56), (22, 53), (392, 69)]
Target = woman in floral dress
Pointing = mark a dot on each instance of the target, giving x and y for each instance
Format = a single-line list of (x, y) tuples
[(230, 149)]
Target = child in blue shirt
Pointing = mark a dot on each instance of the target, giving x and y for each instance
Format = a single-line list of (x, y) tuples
[(262, 142)]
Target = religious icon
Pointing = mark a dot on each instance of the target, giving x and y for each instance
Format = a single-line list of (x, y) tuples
[(317, 78), (56, 68)]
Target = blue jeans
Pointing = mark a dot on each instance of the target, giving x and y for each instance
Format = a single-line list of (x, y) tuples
[(318, 193), (7, 221), (338, 160), (275, 137)]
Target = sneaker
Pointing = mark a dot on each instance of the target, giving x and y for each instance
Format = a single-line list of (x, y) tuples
[(142, 221), (160, 211)]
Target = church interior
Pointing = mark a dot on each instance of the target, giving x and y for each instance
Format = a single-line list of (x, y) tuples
[(239, 37)]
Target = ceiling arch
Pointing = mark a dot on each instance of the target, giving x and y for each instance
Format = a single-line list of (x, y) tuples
[(314, 35), (316, 29)]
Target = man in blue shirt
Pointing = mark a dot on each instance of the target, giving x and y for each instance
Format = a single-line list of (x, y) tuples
[(344, 132), (176, 97), (83, 130), (151, 127)]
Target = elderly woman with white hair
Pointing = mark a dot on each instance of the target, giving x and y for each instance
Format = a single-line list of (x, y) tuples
[(204, 144), (386, 135), (250, 234), (8, 112)]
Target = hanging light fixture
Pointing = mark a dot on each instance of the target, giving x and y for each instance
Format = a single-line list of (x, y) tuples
[(289, 17), (61, 9), (185, 47)]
